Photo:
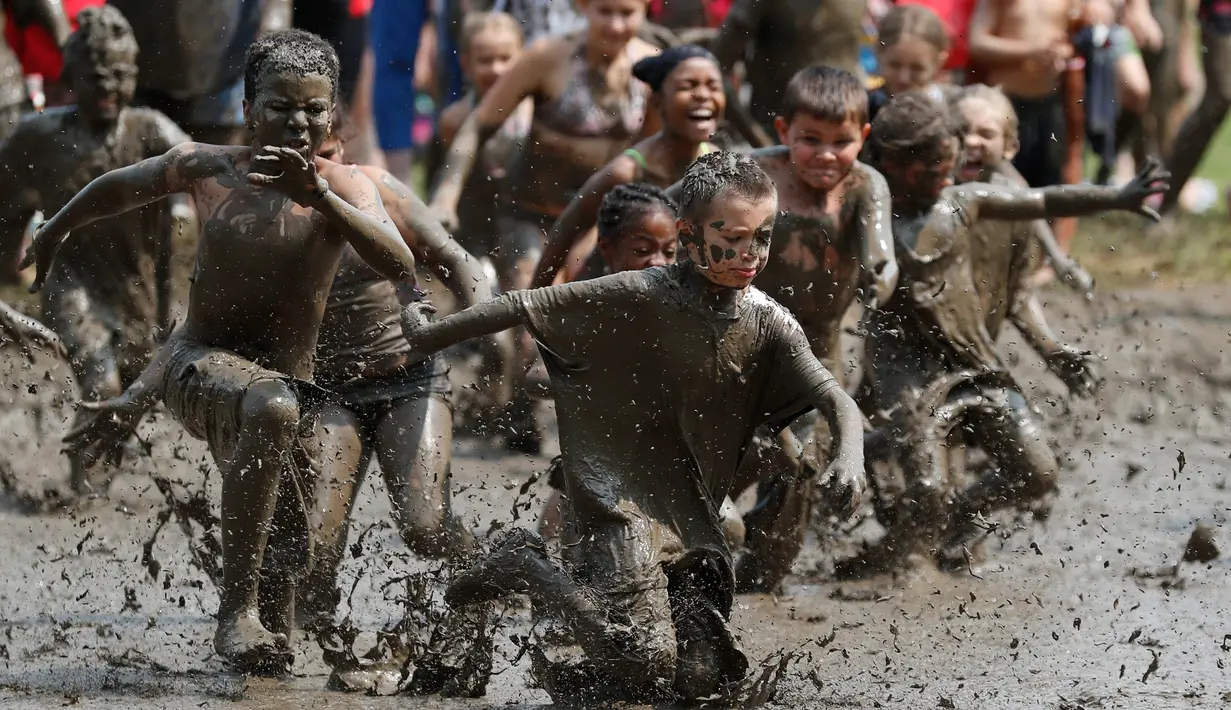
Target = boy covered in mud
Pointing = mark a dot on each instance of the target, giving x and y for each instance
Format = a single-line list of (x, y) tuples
[(936, 325), (276, 219), (661, 377), (831, 236), (109, 293)]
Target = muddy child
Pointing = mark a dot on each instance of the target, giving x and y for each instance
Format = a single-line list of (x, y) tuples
[(936, 325), (108, 294), (661, 377), (830, 239), (687, 91), (491, 44), (276, 219)]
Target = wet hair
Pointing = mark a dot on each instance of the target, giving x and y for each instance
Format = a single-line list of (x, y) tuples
[(289, 52), (826, 94), (913, 126), (721, 174), (101, 31), (994, 97), (477, 22), (913, 21), (626, 204), (654, 70)]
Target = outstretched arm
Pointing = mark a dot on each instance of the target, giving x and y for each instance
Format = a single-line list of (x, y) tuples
[(500, 102), (996, 202), (579, 217), (1074, 366), (875, 219), (122, 190), (845, 475)]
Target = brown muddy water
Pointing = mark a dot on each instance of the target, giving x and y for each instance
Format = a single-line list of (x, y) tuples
[(1088, 611)]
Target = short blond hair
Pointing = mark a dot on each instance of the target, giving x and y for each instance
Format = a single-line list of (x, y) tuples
[(994, 97), (477, 22)]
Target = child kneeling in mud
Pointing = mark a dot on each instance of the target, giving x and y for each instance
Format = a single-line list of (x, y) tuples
[(661, 377)]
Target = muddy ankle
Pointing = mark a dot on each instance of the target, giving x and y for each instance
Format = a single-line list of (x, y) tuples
[(516, 559), (251, 648)]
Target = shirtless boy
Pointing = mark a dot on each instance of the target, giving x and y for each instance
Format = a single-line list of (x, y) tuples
[(660, 378), (936, 324), (831, 237), (109, 293), (275, 222)]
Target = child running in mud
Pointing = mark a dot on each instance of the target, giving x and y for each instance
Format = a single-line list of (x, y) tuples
[(491, 44), (109, 295), (687, 91), (936, 325), (831, 237), (587, 108), (989, 147), (660, 378), (912, 47), (276, 220)]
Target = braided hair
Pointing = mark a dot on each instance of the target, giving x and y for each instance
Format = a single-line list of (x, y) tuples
[(627, 204)]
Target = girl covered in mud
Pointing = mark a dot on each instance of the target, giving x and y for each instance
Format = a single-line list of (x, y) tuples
[(689, 98), (491, 44), (588, 107)]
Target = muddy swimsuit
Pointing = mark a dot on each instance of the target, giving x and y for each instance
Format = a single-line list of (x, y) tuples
[(553, 166), (487, 186), (362, 357)]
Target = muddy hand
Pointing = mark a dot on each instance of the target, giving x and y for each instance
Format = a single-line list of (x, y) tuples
[(1152, 180), (1076, 369), (42, 253), (1073, 275), (29, 333), (103, 435), (288, 172), (416, 317), (845, 485), (881, 288)]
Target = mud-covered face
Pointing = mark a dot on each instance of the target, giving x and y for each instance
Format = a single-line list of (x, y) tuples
[(919, 180), (489, 56), (693, 99), (291, 111), (822, 152), (613, 23), (102, 89), (910, 64), (985, 145), (732, 246), (652, 241)]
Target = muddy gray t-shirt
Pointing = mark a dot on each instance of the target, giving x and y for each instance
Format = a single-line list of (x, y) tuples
[(658, 396)]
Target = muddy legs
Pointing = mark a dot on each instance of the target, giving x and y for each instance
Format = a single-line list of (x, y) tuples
[(270, 419)]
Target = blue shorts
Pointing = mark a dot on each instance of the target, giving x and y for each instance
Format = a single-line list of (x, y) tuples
[(396, 26)]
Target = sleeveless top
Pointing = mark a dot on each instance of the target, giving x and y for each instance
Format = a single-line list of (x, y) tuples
[(575, 112), (361, 334)]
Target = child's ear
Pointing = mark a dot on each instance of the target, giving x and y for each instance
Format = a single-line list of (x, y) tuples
[(1011, 146), (865, 131), (781, 126), (941, 60)]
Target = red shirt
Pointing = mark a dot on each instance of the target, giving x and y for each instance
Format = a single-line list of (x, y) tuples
[(715, 10), (35, 48), (956, 15)]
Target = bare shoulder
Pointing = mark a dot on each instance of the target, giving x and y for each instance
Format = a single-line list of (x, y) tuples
[(388, 185), (349, 182), (187, 163), (773, 159), (639, 49), (622, 169), (869, 180), (770, 313)]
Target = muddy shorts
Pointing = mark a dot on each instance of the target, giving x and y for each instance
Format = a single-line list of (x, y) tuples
[(522, 235), (372, 398), (204, 389), (99, 338), (664, 607), (1041, 133)]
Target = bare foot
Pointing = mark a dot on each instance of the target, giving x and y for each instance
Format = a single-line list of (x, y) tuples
[(247, 645)]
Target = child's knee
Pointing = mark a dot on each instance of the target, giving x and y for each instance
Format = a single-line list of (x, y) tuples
[(271, 406)]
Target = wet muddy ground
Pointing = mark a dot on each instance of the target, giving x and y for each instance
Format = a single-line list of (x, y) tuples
[(1087, 612)]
